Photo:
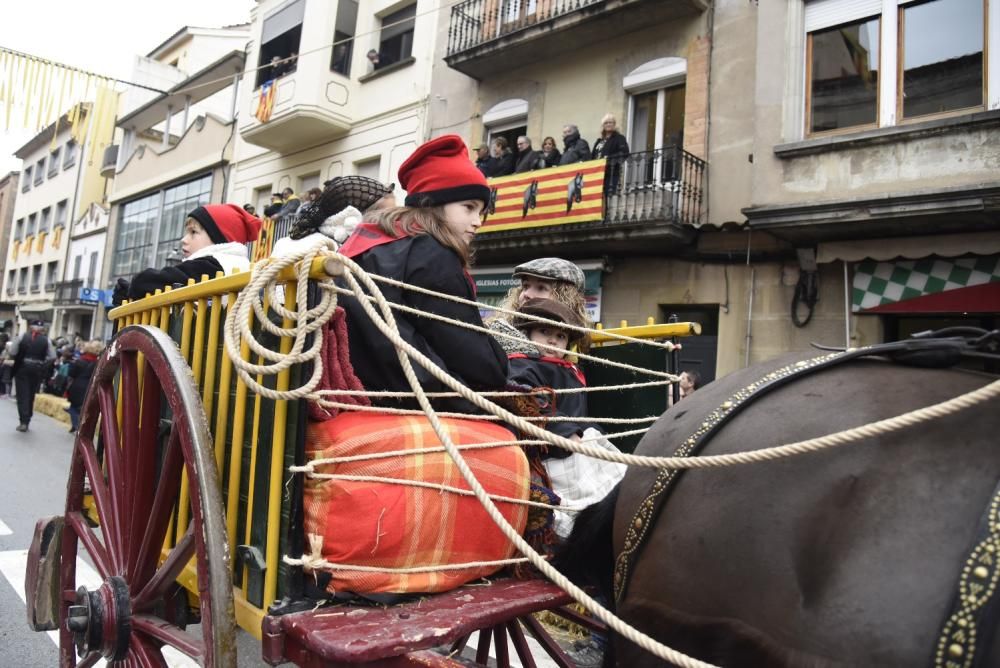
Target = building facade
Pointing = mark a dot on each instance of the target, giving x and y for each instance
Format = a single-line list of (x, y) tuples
[(8, 194), (57, 178), (78, 295), (305, 119), (173, 150)]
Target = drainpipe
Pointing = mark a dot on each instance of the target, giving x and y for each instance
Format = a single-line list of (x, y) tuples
[(753, 276)]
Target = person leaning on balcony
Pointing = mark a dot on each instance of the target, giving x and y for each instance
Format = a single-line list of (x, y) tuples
[(528, 159), (215, 239), (501, 158), (613, 146), (483, 159), (575, 147), (290, 203), (272, 209), (550, 154)]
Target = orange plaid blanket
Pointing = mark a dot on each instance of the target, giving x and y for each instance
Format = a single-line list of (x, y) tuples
[(397, 526)]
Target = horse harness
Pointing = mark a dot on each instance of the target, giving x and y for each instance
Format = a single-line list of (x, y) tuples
[(975, 611)]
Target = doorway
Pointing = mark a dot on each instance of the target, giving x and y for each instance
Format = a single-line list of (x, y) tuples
[(698, 353)]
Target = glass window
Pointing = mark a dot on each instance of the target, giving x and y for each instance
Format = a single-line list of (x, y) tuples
[(343, 37), (51, 275), (26, 180), (11, 281), (941, 45), (843, 76), (39, 171), (77, 266), (54, 162), (19, 229), (69, 157), (31, 224), (92, 271), (36, 278), (279, 42), (61, 209), (396, 38), (22, 284), (46, 223)]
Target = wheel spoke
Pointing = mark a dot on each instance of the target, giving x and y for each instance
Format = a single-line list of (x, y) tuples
[(550, 646), (89, 660), (520, 644), (168, 634), (500, 640), (99, 489), (159, 515), (111, 437), (143, 456), (483, 647), (145, 654), (86, 535), (172, 566)]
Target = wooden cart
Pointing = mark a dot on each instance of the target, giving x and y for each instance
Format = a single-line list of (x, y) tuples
[(180, 497)]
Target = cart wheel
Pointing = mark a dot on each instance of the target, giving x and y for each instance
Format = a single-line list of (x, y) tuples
[(131, 615)]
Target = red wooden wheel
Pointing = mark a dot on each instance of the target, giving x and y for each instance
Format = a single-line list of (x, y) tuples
[(134, 492)]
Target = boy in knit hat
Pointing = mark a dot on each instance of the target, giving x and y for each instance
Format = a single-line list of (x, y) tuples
[(215, 238)]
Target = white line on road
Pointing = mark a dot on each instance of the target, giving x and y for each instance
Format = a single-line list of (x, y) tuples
[(12, 567), (4, 529)]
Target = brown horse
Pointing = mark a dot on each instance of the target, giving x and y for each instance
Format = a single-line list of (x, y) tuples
[(846, 557)]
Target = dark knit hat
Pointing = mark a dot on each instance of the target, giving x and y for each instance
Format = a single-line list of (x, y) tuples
[(360, 192), (551, 309), (227, 222), (440, 172)]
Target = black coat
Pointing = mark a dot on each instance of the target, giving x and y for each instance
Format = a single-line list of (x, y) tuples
[(80, 372), (537, 372), (576, 149), (615, 146), (552, 159), (150, 280), (528, 161), (501, 166), (473, 358)]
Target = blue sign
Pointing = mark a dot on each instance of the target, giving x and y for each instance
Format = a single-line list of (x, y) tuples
[(91, 296)]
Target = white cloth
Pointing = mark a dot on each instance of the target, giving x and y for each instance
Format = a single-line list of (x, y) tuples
[(581, 481), (231, 255)]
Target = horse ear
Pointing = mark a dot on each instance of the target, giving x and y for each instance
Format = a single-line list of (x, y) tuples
[(587, 557)]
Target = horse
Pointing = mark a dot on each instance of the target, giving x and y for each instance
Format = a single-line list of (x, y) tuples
[(850, 556)]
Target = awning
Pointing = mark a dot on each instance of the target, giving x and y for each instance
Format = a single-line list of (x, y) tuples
[(928, 285), (910, 248)]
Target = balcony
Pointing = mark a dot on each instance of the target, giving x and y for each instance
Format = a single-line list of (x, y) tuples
[(646, 203), (109, 161), (67, 292), (486, 37)]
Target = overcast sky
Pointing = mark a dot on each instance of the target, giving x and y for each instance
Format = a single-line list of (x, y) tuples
[(101, 36)]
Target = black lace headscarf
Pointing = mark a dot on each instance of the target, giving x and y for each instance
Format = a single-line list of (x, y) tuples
[(360, 192)]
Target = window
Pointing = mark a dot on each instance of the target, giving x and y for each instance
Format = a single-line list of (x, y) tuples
[(343, 36), (151, 226), (279, 42), (396, 38), (54, 161), (36, 278), (31, 225), (507, 119), (46, 222), (875, 63), (61, 209), (22, 284), (516, 13), (51, 276), (308, 182), (77, 265), (92, 270), (39, 171), (19, 229), (11, 281), (369, 168), (69, 155), (26, 180), (261, 198)]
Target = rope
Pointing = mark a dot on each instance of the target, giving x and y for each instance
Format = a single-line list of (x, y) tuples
[(440, 395)]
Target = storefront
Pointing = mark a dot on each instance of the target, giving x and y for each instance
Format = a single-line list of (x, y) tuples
[(493, 284)]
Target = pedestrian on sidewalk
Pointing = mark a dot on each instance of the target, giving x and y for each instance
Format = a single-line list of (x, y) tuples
[(80, 373), (32, 352)]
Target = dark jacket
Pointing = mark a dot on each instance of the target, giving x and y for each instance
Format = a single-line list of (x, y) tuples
[(553, 158), (614, 146), (474, 358), (575, 149), (559, 375), (80, 372), (148, 281), (484, 165), (528, 160), (272, 209), (501, 166)]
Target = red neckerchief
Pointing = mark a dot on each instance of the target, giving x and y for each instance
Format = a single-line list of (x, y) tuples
[(88, 357), (558, 361), (367, 236)]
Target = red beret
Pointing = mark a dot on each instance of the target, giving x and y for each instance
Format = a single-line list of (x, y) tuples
[(440, 172), (227, 222)]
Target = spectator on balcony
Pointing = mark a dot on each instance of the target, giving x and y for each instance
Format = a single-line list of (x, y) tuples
[(272, 209), (312, 195), (379, 59), (290, 203), (501, 158), (612, 146), (483, 159), (575, 147), (528, 159), (250, 208), (550, 153)]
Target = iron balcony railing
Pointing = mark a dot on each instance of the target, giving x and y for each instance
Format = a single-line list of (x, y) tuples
[(662, 185), (476, 22), (67, 292)]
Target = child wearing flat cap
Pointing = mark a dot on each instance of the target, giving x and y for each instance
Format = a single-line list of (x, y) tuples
[(215, 238), (426, 243)]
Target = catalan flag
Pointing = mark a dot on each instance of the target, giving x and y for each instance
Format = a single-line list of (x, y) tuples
[(266, 101)]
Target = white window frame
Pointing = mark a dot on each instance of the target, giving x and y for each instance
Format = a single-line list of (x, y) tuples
[(659, 75), (820, 14)]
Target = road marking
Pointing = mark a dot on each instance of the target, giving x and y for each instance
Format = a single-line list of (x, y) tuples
[(4, 529), (13, 565)]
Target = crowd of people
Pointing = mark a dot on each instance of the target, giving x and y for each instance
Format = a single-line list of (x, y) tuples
[(498, 158)]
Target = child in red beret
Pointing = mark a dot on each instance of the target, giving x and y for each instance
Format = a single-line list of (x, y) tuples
[(215, 238), (426, 243)]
